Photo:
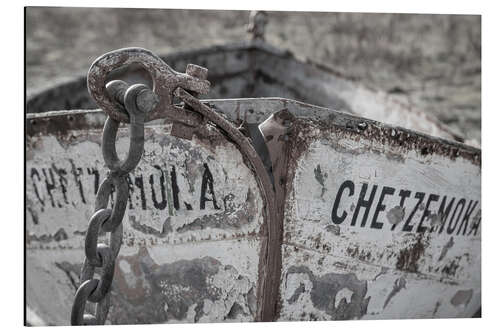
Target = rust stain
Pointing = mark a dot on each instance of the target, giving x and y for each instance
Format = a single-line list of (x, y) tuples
[(397, 142), (445, 249), (408, 257), (356, 253)]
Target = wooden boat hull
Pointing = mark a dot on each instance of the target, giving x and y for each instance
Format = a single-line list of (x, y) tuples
[(377, 221)]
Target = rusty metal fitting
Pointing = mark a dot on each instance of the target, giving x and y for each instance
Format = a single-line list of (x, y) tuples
[(185, 131), (116, 89), (146, 99), (197, 71), (165, 82)]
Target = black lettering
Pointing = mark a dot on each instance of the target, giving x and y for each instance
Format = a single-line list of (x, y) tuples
[(364, 203), (443, 214), (163, 203), (404, 194), (451, 227), (62, 181), (140, 184), (77, 173), (50, 186), (95, 172), (345, 185), (34, 172), (420, 196), (188, 206), (175, 187), (207, 180), (381, 207), (465, 220), (427, 212)]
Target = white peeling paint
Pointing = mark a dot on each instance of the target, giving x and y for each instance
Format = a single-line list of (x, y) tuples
[(402, 270), (170, 235)]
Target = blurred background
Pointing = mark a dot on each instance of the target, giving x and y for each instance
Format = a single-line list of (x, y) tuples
[(432, 62)]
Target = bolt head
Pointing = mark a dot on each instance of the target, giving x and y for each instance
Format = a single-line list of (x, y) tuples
[(147, 100)]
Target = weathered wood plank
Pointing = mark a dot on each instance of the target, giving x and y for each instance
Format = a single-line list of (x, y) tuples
[(379, 224)]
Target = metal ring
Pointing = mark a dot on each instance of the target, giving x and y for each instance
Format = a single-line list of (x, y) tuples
[(81, 296), (120, 205), (136, 129), (108, 271), (99, 217), (91, 238)]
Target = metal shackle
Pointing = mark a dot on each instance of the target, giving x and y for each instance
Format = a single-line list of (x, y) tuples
[(165, 81)]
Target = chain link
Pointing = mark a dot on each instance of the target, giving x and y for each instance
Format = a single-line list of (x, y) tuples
[(100, 257), (143, 105), (133, 105)]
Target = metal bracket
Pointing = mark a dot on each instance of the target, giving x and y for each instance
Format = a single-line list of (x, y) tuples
[(165, 81)]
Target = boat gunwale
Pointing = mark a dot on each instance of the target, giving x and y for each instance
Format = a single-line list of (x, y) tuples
[(376, 130)]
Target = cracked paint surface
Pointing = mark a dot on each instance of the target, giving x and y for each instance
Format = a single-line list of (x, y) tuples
[(196, 290), (332, 296), (192, 206), (400, 244), (406, 224)]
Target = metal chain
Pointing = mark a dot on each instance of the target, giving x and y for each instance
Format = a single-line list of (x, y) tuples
[(142, 104), (133, 105), (100, 256)]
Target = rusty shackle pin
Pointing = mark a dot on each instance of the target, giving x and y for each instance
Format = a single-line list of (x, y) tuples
[(165, 82)]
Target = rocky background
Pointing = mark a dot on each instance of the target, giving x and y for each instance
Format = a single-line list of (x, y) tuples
[(432, 61)]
